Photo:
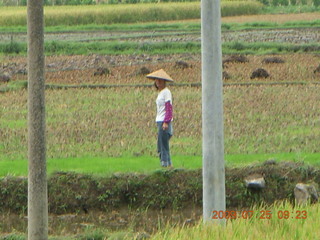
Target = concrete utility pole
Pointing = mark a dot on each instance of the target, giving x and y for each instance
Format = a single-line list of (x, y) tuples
[(37, 179), (212, 111)]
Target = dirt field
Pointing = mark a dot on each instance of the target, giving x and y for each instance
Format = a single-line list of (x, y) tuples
[(79, 70)]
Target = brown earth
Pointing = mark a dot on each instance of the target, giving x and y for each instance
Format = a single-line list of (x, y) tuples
[(80, 70)]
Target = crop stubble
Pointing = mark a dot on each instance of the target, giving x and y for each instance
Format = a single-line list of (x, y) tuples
[(120, 121)]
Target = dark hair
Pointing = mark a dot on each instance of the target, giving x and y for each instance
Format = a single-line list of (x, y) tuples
[(155, 85)]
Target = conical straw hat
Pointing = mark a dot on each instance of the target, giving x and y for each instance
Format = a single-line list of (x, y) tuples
[(160, 74)]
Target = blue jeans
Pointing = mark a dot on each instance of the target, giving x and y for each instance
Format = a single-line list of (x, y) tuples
[(163, 144)]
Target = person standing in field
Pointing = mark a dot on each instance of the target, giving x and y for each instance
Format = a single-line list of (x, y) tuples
[(164, 115)]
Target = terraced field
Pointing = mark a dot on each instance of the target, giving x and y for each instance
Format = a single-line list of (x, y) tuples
[(280, 114)]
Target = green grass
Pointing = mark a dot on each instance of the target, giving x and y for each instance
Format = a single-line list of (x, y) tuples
[(112, 46), (117, 47), (145, 164), (262, 48), (192, 25), (289, 9), (13, 86), (162, 26), (13, 124), (247, 159)]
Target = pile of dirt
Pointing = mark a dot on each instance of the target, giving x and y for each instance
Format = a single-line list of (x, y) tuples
[(175, 189)]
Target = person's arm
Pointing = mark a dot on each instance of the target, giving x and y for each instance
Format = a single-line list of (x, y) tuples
[(168, 115)]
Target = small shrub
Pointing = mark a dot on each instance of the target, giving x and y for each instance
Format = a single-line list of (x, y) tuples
[(265, 2), (93, 235), (293, 2), (316, 3), (13, 237), (52, 47), (284, 2), (238, 46), (12, 47)]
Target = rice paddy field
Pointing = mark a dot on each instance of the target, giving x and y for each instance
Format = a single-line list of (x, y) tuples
[(96, 116), (102, 123)]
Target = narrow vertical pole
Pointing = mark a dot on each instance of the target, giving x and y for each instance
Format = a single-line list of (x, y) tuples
[(37, 178), (212, 111)]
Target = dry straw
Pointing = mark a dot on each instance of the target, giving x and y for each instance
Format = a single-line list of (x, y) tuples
[(160, 74)]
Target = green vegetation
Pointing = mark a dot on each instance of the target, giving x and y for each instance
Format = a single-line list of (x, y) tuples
[(114, 44), (111, 14), (282, 222), (274, 3), (13, 86), (160, 27), (255, 227), (109, 18), (290, 6), (268, 48), (106, 166), (116, 48), (269, 25), (96, 125), (171, 189), (96, 146), (278, 9)]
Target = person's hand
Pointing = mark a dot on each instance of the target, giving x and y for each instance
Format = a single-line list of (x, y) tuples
[(165, 126)]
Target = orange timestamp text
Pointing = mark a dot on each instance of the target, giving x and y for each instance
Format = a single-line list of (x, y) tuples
[(260, 214)]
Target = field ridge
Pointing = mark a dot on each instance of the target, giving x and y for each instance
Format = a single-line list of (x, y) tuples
[(163, 189)]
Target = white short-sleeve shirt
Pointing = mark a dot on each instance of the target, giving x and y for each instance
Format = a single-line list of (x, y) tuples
[(163, 97)]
